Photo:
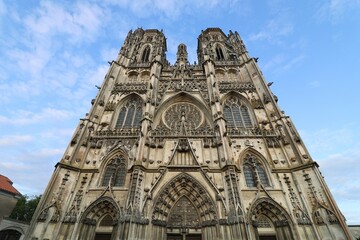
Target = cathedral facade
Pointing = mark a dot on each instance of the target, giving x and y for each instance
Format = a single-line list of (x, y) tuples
[(186, 151)]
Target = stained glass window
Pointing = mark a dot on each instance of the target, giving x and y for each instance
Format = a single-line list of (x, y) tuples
[(130, 114), (115, 172), (236, 113), (254, 172)]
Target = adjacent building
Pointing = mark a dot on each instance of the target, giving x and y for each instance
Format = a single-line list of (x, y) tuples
[(9, 229)]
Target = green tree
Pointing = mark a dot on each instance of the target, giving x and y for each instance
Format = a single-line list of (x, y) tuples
[(25, 208)]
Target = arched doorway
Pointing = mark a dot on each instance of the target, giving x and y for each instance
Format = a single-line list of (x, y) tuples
[(270, 220), (10, 234), (184, 218), (184, 210), (104, 228), (265, 228), (99, 220)]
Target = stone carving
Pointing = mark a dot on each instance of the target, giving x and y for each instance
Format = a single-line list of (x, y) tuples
[(202, 131), (236, 86), (301, 216), (256, 103), (126, 132), (135, 188), (125, 88), (242, 132), (184, 186), (183, 116), (71, 215), (266, 98)]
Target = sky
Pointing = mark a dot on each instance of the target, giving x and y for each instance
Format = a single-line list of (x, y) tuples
[(53, 53)]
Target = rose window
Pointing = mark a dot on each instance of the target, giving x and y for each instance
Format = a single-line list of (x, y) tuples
[(183, 116)]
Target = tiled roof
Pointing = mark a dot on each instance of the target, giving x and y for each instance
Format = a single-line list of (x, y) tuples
[(6, 185)]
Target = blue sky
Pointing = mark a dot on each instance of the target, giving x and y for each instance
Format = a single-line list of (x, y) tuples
[(53, 53)]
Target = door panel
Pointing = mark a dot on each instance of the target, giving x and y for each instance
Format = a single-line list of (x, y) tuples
[(193, 237), (267, 237), (174, 237), (103, 236)]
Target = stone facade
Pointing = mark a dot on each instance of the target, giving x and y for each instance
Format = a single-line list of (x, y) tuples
[(186, 151)]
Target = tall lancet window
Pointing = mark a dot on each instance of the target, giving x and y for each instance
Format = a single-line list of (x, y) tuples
[(236, 113), (145, 54), (254, 172), (130, 114), (115, 172), (219, 53)]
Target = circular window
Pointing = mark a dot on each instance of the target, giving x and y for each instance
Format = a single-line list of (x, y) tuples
[(183, 115)]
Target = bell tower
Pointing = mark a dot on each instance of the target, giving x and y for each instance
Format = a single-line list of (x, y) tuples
[(186, 151)]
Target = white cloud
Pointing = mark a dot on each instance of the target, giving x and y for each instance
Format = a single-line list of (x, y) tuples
[(14, 166), (109, 54), (281, 63), (12, 140), (25, 117), (31, 169), (80, 21), (62, 134), (334, 10), (168, 9), (341, 174), (293, 62), (325, 142), (273, 31)]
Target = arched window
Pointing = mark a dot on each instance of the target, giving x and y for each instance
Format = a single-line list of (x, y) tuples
[(236, 113), (145, 54), (219, 53), (254, 172), (115, 172), (130, 114)]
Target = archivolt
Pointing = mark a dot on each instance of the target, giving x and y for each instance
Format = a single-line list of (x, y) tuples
[(101, 207), (184, 186), (272, 210)]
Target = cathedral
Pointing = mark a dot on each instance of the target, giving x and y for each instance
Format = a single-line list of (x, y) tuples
[(186, 152)]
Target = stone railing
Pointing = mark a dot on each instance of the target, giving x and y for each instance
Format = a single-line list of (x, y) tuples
[(130, 87), (131, 132), (250, 132), (226, 86)]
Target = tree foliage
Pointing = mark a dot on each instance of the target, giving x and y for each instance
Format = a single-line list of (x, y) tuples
[(25, 208)]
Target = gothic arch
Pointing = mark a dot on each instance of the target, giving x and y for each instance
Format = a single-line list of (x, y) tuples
[(11, 233), (180, 187), (322, 214), (233, 74), (90, 219), (144, 76), (220, 74), (132, 76), (117, 152), (274, 212), (249, 120), (101, 207), (145, 53), (132, 98), (50, 213), (260, 157), (250, 152), (219, 52), (186, 98)]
